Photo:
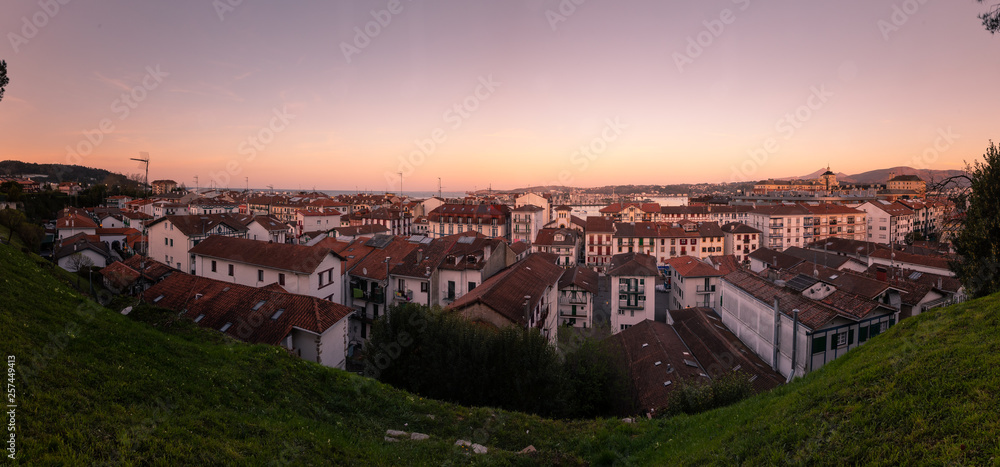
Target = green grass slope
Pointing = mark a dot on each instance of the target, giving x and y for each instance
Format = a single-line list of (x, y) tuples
[(94, 386)]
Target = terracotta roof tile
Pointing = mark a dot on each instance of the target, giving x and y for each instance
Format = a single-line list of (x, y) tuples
[(222, 302), (285, 256)]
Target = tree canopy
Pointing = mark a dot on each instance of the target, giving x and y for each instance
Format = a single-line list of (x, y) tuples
[(3, 78), (991, 19), (978, 242)]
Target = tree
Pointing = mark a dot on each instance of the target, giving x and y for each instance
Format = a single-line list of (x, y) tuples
[(12, 189), (11, 218), (991, 19), (978, 242), (79, 262), (3, 77)]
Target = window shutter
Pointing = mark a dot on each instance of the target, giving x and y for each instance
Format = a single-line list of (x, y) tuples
[(833, 342), (850, 337), (862, 333), (819, 344)]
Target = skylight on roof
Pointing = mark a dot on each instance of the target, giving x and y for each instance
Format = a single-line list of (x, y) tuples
[(158, 299), (667, 383), (658, 363), (225, 327), (915, 275), (690, 363), (277, 314), (258, 305), (199, 317)]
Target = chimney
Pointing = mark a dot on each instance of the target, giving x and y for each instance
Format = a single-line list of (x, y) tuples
[(420, 255), (880, 274), (486, 252)]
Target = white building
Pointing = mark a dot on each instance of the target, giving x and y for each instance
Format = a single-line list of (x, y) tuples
[(525, 295), (693, 284), (782, 226), (74, 224), (888, 223), (526, 221), (577, 293), (316, 221), (633, 280), (172, 237), (792, 333), (535, 200), (566, 244), (740, 240), (313, 329), (306, 270)]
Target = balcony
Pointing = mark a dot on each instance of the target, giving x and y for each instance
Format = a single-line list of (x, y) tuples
[(570, 314), (632, 289), (704, 289), (374, 297), (624, 305), (579, 300), (778, 225)]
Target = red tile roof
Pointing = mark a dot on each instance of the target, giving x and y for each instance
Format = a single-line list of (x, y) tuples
[(632, 264), (504, 292), (76, 221), (719, 350), (812, 314), (119, 275), (222, 302), (903, 257), (644, 345), (286, 256), (584, 278), (688, 266)]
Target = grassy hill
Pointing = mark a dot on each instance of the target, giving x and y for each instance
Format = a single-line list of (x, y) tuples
[(94, 386)]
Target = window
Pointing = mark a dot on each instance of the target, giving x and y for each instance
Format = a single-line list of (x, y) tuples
[(166, 241), (842, 339), (171, 242), (230, 269), (260, 275), (472, 285), (424, 286), (213, 266), (281, 279)]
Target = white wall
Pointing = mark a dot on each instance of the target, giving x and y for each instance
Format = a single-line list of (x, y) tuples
[(297, 283), (98, 259), (632, 316)]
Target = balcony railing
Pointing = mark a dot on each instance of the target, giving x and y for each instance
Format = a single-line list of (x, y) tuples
[(704, 289), (777, 225), (624, 304), (632, 289), (570, 314), (573, 300)]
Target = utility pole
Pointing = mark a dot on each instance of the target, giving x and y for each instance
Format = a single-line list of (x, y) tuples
[(439, 188), (197, 189)]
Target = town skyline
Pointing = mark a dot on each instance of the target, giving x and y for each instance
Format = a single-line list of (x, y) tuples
[(595, 94)]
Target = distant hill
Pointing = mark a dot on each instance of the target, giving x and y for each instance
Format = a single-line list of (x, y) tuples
[(882, 175), (59, 172), (841, 176)]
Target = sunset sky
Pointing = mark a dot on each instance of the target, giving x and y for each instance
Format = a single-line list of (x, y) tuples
[(320, 94)]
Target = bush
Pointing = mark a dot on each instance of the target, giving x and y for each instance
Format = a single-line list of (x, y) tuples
[(694, 398), (446, 357)]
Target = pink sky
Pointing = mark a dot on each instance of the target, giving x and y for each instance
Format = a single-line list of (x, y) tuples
[(265, 90)]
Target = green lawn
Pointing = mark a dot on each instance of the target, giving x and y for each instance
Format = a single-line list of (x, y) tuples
[(94, 386)]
